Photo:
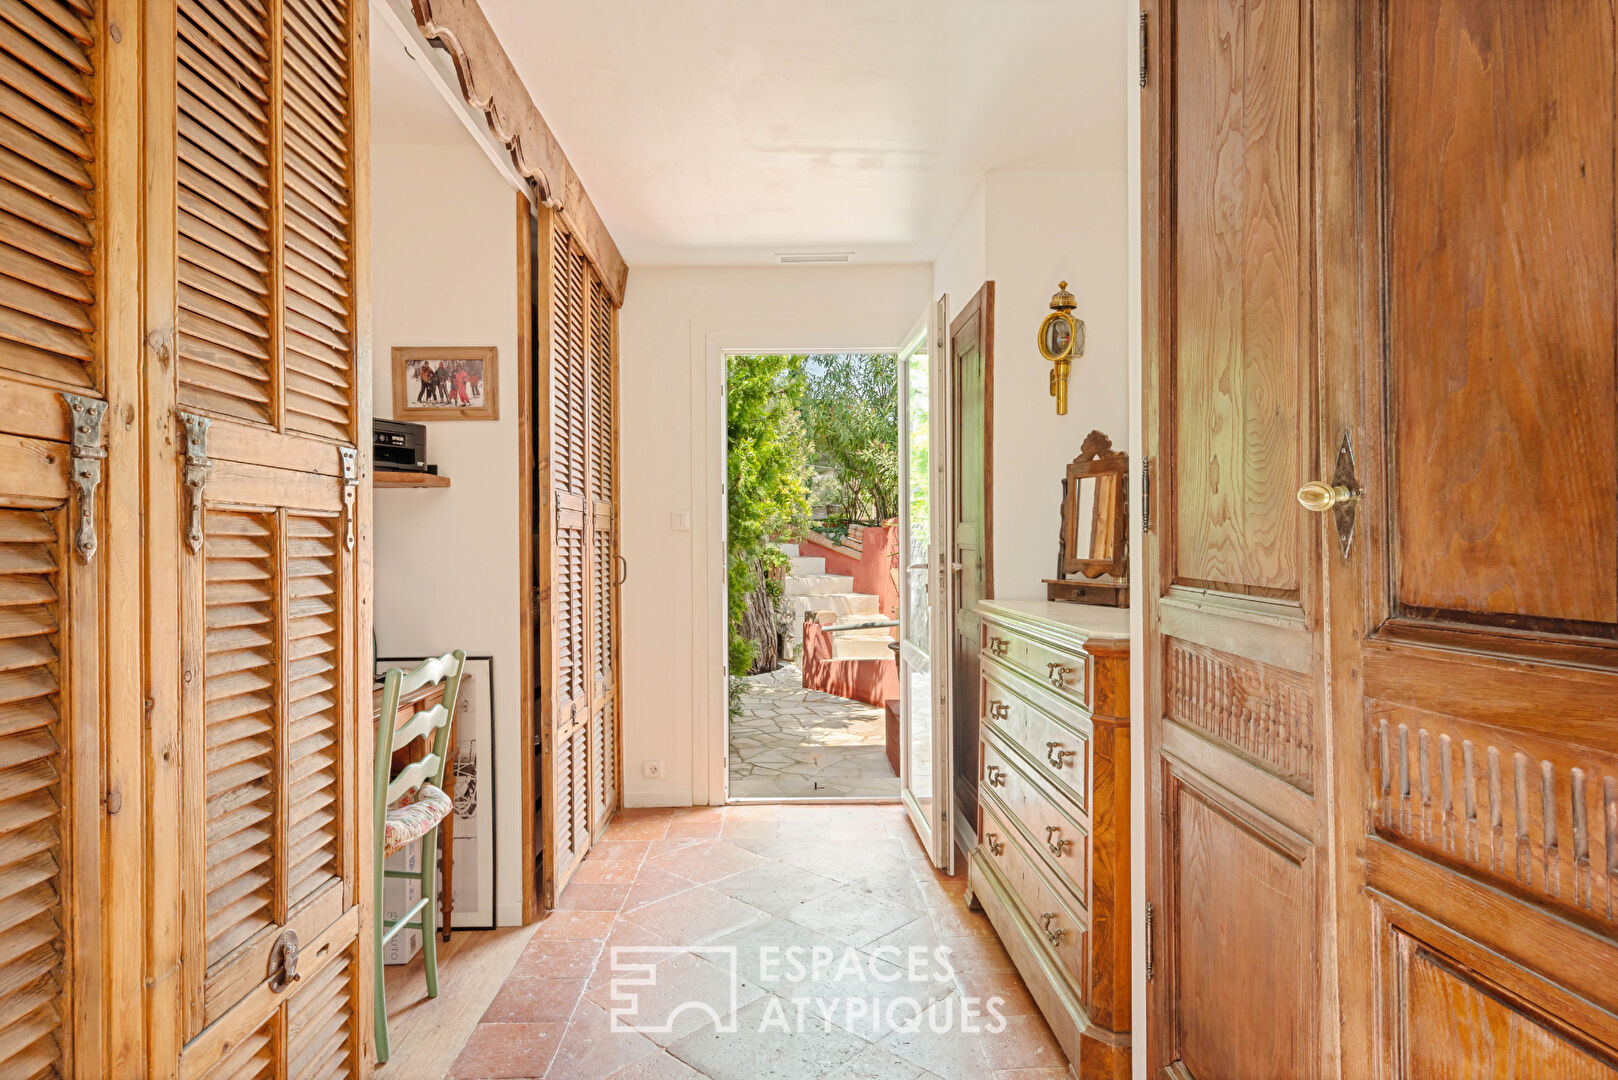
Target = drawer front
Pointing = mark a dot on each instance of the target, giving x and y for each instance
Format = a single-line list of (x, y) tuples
[(1065, 672), (1060, 748), (1061, 931), (1061, 840)]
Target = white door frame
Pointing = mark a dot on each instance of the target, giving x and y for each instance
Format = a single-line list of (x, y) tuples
[(710, 734)]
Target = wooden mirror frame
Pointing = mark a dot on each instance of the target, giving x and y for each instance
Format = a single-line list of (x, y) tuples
[(1096, 458)]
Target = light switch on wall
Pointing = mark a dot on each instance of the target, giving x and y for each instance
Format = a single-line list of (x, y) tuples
[(680, 521)]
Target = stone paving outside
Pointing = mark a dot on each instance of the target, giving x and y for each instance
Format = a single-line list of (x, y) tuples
[(789, 742)]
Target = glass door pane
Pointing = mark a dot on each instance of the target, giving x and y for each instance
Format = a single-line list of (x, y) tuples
[(918, 774)]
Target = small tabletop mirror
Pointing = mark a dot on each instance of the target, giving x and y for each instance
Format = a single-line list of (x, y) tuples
[(1094, 540)]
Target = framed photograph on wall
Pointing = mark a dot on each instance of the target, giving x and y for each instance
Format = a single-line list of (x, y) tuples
[(446, 382), (469, 779)]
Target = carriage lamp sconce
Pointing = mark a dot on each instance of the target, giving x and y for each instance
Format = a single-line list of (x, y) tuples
[(1061, 341)]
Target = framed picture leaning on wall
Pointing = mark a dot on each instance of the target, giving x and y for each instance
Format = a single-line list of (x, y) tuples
[(445, 382)]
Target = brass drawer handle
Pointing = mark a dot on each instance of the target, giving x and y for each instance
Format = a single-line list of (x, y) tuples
[(996, 776), (1057, 672), (1056, 757), (1056, 846), (1052, 936), (999, 646), (999, 710), (996, 845)]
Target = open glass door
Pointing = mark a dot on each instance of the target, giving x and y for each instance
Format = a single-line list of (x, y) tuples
[(925, 771)]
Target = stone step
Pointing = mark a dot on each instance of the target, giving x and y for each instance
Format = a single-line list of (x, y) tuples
[(819, 584), (846, 646), (807, 564), (787, 549), (841, 603)]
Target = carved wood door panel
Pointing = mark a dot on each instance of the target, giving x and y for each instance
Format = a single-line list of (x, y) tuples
[(257, 389), (1469, 167), (1237, 849), (576, 553)]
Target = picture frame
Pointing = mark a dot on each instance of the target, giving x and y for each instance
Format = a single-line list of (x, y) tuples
[(471, 784), (460, 383)]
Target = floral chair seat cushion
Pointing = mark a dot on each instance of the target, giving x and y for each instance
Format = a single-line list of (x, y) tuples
[(414, 817)]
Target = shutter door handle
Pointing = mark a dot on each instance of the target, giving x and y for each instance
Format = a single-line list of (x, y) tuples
[(623, 570)]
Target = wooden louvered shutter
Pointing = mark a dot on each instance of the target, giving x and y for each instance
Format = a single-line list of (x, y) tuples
[(271, 528), (564, 642), (54, 262), (48, 773), (603, 450), (577, 555)]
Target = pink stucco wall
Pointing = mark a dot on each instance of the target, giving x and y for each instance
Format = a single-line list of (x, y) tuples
[(876, 571), (871, 681)]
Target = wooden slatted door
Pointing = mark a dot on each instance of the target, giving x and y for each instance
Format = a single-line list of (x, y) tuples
[(55, 258), (270, 531), (576, 554)]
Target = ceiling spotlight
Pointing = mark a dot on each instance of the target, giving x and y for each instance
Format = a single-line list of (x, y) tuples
[(814, 256)]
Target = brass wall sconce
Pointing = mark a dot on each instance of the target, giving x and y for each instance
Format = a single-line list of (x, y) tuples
[(1061, 341)]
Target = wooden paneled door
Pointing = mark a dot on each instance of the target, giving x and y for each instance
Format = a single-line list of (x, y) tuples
[(258, 397), (1237, 783), (1468, 315), (971, 530), (576, 559)]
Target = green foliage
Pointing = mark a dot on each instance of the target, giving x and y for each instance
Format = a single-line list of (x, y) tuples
[(768, 465), (850, 407)]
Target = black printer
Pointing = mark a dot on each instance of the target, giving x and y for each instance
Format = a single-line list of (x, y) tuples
[(400, 447)]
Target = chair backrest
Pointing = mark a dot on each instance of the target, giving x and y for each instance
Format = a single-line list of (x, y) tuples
[(430, 723)]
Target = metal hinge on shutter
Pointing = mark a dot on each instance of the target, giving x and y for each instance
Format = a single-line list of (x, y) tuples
[(1150, 959), (88, 453), (1146, 496), (197, 467), (351, 480), (1143, 18)]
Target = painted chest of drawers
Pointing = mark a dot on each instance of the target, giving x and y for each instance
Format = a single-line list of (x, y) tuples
[(1051, 867)]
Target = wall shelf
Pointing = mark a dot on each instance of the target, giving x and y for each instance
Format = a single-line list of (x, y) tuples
[(387, 478)]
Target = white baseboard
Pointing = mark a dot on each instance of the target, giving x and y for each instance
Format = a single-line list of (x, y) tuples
[(638, 800)]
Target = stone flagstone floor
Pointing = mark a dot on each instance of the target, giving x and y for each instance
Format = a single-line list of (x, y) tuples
[(713, 900), (789, 742)]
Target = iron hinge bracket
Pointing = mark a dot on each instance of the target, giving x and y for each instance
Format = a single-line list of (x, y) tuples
[(351, 479), (1143, 54), (88, 454), (197, 468), (1150, 959), (1146, 496)]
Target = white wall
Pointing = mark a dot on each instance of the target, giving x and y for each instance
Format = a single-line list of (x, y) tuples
[(444, 258), (675, 325)]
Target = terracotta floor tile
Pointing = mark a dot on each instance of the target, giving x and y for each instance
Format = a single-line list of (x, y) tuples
[(643, 828), (624, 934), (1005, 985), (653, 885), (695, 916), (508, 1050), (526, 1000), (1060, 1073), (631, 850), (706, 862), (593, 1050), (592, 896), (706, 827), (575, 925), (556, 959), (1026, 1043), (667, 844), (613, 871)]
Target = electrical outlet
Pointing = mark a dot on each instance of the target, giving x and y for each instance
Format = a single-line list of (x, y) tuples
[(680, 520), (652, 770)]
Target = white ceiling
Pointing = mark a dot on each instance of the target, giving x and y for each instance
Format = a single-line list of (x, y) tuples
[(725, 131)]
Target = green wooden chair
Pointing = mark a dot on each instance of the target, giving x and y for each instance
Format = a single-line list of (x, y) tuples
[(422, 804)]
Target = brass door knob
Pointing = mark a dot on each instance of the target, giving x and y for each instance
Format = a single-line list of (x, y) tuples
[(1320, 497)]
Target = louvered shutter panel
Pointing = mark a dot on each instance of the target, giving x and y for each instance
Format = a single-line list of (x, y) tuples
[(49, 170), (252, 1059), (50, 789), (266, 270), (319, 220), (603, 558), (223, 329)]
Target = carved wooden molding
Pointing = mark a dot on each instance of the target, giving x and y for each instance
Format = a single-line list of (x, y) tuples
[(1267, 713), (490, 83)]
